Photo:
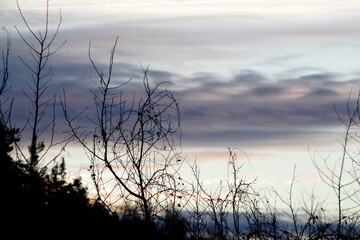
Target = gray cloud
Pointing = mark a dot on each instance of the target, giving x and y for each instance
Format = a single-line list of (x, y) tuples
[(247, 106), (195, 52), (319, 77), (262, 109), (322, 92), (266, 91), (249, 77)]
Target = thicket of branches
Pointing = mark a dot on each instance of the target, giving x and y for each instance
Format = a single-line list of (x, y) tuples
[(134, 150)]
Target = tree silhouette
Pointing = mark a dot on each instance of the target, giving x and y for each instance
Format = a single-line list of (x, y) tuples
[(40, 45), (135, 141), (37, 205), (344, 181)]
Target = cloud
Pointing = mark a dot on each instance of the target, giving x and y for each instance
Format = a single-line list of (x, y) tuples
[(248, 104), (215, 55), (282, 59), (248, 77), (254, 108), (320, 77), (266, 91), (322, 92)]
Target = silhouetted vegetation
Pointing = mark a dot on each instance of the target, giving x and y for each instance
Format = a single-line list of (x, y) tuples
[(136, 142)]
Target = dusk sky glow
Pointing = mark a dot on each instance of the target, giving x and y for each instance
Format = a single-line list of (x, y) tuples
[(262, 76)]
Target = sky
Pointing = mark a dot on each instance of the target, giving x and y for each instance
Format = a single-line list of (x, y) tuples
[(261, 76)]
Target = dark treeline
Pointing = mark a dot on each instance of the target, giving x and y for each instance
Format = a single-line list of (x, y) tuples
[(43, 205), (134, 162)]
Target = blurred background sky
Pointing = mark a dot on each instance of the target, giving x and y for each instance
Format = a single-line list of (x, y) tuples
[(262, 76)]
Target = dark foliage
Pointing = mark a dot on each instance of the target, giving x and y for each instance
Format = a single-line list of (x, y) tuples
[(36, 205), (45, 205)]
